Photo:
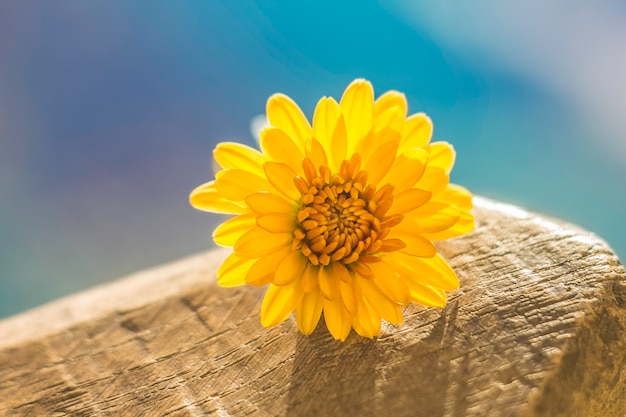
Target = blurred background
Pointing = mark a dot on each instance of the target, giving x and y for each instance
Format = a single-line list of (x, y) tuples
[(109, 111)]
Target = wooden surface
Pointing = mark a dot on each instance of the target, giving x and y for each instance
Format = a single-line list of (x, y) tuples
[(537, 329)]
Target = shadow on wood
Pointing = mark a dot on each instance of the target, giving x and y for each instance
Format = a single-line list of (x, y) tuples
[(537, 329)]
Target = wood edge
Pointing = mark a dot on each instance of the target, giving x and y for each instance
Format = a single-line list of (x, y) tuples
[(588, 380), (122, 294), (558, 226)]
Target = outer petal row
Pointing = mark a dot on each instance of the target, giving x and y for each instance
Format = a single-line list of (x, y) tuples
[(284, 113), (231, 155), (416, 132), (206, 197), (357, 106)]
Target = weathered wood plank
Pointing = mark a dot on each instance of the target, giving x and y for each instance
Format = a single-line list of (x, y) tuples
[(537, 329)]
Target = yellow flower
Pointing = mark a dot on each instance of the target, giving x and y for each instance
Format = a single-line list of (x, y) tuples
[(339, 217)]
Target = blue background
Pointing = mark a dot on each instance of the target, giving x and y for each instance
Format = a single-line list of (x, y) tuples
[(109, 111)]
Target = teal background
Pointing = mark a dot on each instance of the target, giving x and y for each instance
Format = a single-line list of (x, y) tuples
[(109, 111)]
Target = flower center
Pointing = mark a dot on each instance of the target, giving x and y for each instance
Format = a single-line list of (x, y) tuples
[(341, 217)]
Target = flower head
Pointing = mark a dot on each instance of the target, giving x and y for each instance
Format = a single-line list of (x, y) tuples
[(339, 217)]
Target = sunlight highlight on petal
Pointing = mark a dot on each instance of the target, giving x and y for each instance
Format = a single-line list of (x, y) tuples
[(231, 155), (284, 113), (206, 198), (325, 118), (357, 105), (416, 132), (227, 233), (391, 119), (387, 101), (441, 155)]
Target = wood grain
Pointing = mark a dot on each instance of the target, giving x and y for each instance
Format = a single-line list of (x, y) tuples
[(537, 329)]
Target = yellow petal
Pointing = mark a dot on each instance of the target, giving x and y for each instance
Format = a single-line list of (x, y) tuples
[(339, 144), (284, 113), (416, 245), (428, 296), (407, 169), (431, 217), (309, 310), (237, 184), (457, 195), (366, 147), (378, 166), (309, 278), (266, 203), (205, 197), (348, 295), (392, 118), (263, 270), (357, 106), (281, 177), (461, 199), (278, 304), (325, 118), (277, 222), (341, 272), (388, 100), (464, 225), (440, 266), (338, 319), (389, 282), (408, 200), (367, 322), (231, 155), (442, 155), (396, 317), (416, 132), (328, 282), (362, 269), (257, 242), (434, 179), (233, 270), (434, 272), (316, 153), (290, 269), (227, 233), (384, 307), (280, 148)]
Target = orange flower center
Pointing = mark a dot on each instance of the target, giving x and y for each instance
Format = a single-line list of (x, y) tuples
[(342, 217)]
